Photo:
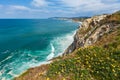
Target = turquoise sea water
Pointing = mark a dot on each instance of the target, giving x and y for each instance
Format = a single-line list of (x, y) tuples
[(25, 43)]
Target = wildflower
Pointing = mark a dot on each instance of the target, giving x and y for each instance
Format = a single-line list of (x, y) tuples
[(94, 54), (100, 60), (48, 78), (97, 71), (115, 74), (62, 70), (78, 61), (113, 70), (64, 79), (113, 65), (86, 62), (81, 75), (108, 58), (89, 66), (113, 60), (58, 72)]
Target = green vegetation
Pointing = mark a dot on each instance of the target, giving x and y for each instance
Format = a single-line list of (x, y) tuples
[(91, 63), (113, 18)]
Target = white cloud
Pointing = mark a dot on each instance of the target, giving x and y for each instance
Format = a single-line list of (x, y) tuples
[(18, 7), (78, 3), (91, 5), (39, 3), (63, 7), (13, 9)]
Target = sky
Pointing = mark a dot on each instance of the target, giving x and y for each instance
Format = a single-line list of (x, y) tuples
[(56, 8)]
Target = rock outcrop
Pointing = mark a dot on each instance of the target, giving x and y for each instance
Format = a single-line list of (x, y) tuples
[(90, 31)]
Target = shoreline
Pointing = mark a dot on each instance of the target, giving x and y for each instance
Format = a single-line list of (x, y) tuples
[(56, 41), (86, 48), (47, 62)]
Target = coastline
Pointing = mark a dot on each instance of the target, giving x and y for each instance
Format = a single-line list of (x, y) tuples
[(60, 55), (34, 57), (81, 56), (49, 61), (64, 52)]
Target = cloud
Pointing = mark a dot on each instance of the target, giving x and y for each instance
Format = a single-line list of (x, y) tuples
[(14, 9), (18, 7), (47, 8), (92, 5), (39, 3), (78, 3)]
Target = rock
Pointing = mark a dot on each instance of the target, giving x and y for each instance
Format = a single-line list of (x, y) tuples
[(90, 31)]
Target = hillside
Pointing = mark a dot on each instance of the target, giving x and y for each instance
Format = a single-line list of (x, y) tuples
[(93, 55), (76, 19)]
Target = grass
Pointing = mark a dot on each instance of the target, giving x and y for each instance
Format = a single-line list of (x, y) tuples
[(91, 63)]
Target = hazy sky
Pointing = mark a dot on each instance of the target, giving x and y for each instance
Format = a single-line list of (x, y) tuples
[(56, 8)]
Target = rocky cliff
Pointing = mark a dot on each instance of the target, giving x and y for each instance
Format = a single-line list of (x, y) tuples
[(95, 54), (91, 30)]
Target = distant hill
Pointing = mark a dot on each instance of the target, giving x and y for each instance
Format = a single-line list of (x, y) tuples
[(70, 18)]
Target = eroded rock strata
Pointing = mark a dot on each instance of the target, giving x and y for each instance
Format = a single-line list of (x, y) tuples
[(90, 31)]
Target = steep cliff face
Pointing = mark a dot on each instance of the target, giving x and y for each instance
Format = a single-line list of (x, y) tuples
[(90, 31)]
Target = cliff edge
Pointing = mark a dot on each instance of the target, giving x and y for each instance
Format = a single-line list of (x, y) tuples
[(91, 30), (94, 54)]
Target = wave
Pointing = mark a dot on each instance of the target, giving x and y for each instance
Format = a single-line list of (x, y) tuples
[(6, 59), (27, 58), (61, 43), (51, 55)]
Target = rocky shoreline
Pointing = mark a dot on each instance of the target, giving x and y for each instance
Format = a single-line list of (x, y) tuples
[(89, 33)]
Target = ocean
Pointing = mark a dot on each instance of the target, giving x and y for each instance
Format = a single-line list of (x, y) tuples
[(26, 43)]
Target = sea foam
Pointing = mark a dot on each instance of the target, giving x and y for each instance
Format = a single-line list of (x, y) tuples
[(51, 55), (20, 60)]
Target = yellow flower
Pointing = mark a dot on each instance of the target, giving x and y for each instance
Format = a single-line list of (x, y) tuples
[(113, 70), (89, 66), (81, 75), (112, 65), (86, 62), (115, 74), (95, 55), (62, 70), (78, 61), (112, 59), (48, 78), (108, 58), (100, 60), (58, 72), (97, 71), (64, 79)]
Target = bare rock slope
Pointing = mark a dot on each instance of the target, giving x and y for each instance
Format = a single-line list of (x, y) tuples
[(90, 31)]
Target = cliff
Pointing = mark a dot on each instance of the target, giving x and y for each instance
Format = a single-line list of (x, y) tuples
[(90, 31), (95, 54)]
